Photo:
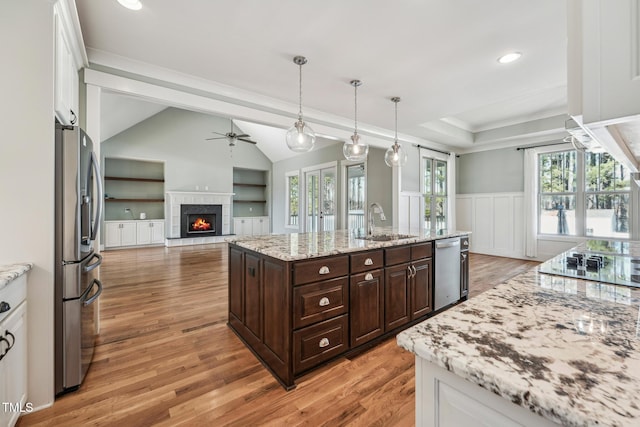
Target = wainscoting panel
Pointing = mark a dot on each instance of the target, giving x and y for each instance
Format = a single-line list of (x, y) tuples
[(495, 221)]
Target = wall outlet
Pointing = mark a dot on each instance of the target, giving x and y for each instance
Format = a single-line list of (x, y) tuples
[(250, 209), (127, 210)]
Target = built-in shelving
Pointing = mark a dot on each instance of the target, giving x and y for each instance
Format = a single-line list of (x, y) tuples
[(133, 189), (251, 193), (121, 178)]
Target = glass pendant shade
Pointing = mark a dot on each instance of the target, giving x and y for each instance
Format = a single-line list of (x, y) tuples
[(300, 137), (355, 150), (395, 156)]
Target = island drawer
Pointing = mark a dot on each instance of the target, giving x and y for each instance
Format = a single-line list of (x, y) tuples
[(320, 301), (397, 255), (320, 269), (367, 261), (422, 250), (320, 342)]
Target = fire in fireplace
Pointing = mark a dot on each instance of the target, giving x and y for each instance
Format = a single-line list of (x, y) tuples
[(200, 220), (200, 224)]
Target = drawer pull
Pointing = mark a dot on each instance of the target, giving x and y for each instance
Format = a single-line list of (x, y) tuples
[(368, 276), (368, 261), (464, 257), (4, 307), (466, 243), (324, 270), (324, 301), (324, 342)]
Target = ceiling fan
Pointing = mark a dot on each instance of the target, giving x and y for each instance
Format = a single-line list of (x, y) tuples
[(232, 137)]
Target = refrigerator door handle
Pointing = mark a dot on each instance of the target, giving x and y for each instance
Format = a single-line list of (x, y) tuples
[(87, 268), (95, 297), (100, 196)]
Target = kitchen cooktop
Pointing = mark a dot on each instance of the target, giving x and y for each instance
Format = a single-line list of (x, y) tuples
[(598, 261)]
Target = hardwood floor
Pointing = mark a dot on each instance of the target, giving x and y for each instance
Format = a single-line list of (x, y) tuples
[(166, 357)]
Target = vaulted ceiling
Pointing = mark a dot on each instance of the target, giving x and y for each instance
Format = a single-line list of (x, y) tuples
[(439, 56)]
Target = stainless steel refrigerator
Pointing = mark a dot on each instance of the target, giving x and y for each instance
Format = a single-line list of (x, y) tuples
[(78, 208)]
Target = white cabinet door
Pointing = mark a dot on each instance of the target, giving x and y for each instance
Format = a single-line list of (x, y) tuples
[(243, 226), (120, 234), (143, 233), (13, 366), (604, 46), (157, 231), (65, 77), (129, 234), (260, 225), (112, 234)]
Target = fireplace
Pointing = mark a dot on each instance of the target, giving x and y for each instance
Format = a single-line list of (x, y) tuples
[(200, 220)]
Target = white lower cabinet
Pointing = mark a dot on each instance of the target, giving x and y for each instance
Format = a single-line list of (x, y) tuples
[(251, 225), (13, 363), (133, 233), (149, 232)]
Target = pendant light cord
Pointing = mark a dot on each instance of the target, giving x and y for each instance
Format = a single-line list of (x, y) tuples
[(300, 97), (355, 89), (396, 138)]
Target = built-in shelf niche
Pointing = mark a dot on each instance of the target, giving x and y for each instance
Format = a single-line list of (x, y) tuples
[(251, 192), (133, 187)]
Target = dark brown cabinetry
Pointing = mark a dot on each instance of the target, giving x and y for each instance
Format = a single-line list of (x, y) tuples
[(464, 267), (297, 315), (408, 292), (367, 306)]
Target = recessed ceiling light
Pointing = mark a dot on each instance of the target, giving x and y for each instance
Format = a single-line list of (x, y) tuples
[(131, 4), (509, 57)]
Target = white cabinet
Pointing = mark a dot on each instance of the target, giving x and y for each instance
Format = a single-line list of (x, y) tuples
[(251, 226), (120, 233), (133, 233), (65, 74), (149, 232), (260, 225), (13, 349), (603, 52)]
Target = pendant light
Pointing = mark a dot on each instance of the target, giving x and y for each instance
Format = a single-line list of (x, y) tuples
[(355, 150), (300, 137), (395, 155)]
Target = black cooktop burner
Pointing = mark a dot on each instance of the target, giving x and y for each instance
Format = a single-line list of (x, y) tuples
[(604, 268)]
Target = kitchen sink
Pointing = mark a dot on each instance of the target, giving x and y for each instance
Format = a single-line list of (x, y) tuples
[(386, 237)]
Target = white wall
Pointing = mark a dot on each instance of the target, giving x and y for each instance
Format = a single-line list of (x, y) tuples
[(177, 138), (495, 221), (27, 173)]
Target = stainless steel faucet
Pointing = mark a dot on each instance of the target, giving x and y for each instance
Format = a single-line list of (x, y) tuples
[(374, 208)]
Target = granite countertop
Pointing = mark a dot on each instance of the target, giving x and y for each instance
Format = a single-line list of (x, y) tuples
[(10, 272), (568, 349), (296, 246)]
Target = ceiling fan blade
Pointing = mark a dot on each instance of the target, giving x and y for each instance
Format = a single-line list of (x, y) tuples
[(223, 134), (244, 135), (247, 140), (221, 137)]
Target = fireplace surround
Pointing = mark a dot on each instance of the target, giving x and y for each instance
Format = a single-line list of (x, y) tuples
[(173, 201)]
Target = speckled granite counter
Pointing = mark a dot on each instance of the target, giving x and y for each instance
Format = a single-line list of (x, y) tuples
[(9, 273), (295, 246), (567, 349)]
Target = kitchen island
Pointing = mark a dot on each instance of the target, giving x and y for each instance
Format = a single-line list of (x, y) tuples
[(300, 300), (537, 350)]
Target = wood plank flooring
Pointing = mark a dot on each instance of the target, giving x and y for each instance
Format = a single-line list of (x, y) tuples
[(166, 357)]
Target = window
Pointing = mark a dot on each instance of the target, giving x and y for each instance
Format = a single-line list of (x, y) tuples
[(293, 199), (355, 191), (607, 191), (583, 194), (435, 195), (557, 193)]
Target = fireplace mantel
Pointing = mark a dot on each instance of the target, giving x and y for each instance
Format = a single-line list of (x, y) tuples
[(174, 199)]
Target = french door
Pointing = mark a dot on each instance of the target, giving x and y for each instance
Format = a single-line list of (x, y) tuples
[(320, 198)]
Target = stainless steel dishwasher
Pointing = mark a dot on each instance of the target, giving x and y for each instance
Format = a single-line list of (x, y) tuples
[(447, 280)]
